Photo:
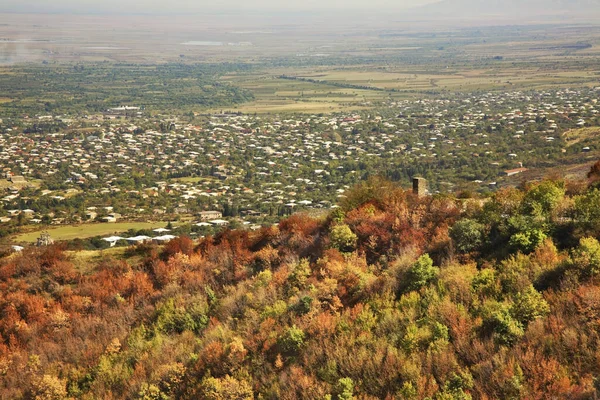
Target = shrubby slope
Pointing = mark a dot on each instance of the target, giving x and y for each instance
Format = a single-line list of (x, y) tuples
[(390, 297)]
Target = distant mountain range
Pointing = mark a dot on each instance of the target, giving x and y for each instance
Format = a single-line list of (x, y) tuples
[(517, 9)]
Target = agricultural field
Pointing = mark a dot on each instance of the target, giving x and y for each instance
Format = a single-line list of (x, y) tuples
[(331, 89), (277, 95)]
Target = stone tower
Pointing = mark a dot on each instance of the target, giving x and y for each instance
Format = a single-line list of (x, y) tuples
[(420, 187)]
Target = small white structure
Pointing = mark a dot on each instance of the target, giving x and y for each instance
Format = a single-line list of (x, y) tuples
[(208, 215), (113, 240), (138, 239), (163, 239)]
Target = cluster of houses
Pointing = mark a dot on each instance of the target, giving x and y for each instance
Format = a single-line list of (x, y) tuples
[(160, 239), (254, 166)]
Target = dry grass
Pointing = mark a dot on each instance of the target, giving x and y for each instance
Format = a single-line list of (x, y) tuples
[(574, 136), (85, 231)]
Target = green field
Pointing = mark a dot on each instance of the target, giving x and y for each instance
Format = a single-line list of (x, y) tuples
[(87, 231), (275, 95)]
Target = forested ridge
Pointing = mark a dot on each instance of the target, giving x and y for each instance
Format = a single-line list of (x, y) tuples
[(391, 296)]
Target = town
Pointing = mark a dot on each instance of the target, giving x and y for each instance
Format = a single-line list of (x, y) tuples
[(204, 172)]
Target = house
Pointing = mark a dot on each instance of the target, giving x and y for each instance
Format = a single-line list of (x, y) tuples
[(210, 215), (138, 239), (122, 111), (512, 172), (251, 213), (113, 240), (28, 213), (163, 239)]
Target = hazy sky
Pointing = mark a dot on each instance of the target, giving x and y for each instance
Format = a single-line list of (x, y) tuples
[(176, 6)]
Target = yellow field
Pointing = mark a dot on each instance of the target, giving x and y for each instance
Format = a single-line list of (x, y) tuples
[(85, 260), (452, 80), (293, 106), (575, 136), (5, 184)]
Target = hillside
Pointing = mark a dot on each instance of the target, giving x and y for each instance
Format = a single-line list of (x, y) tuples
[(391, 296)]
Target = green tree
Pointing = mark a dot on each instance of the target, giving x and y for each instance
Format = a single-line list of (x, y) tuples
[(486, 283), (467, 235), (49, 387), (587, 209), (342, 238), (337, 215), (586, 257), (505, 328), (422, 273), (151, 392), (457, 387), (292, 340), (527, 241), (529, 305), (226, 388), (299, 275), (345, 389), (543, 198)]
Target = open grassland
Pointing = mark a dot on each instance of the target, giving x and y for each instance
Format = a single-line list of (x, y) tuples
[(87, 231), (573, 168), (574, 136), (86, 260), (5, 184), (190, 179)]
